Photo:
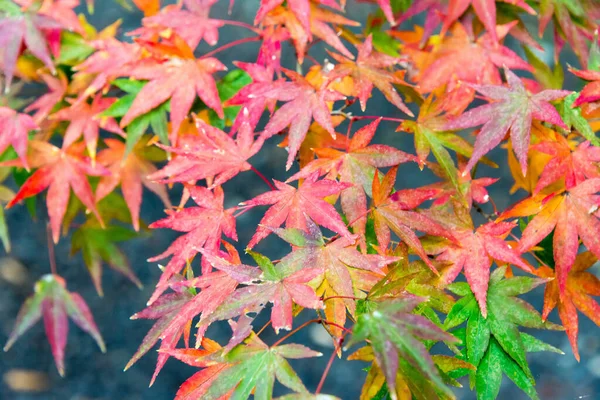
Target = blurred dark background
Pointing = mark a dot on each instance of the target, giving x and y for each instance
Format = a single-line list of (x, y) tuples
[(91, 375)]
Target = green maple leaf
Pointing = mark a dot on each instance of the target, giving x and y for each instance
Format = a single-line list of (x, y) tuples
[(249, 367), (98, 246), (395, 333), (495, 344), (155, 119)]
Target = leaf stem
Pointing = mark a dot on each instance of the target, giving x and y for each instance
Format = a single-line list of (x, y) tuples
[(238, 23), (51, 254), (230, 45), (291, 333), (360, 117), (341, 297), (264, 178), (263, 328)]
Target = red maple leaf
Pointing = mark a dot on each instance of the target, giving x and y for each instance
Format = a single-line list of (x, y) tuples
[(55, 304), (339, 263), (293, 206), (304, 102), (203, 227), (253, 107), (370, 69), (449, 68), (175, 311), (356, 166), (474, 251), (513, 109), (572, 214), (591, 92), (301, 9), (573, 164), (192, 24), (393, 212), (25, 28), (61, 11), (15, 128), (320, 19), (283, 285), (131, 172), (85, 120), (212, 153), (44, 105), (581, 286), (111, 59), (485, 10), (59, 171), (165, 82)]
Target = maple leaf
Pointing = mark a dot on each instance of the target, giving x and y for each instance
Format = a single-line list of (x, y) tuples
[(392, 331), (164, 310), (300, 8), (580, 286), (97, 245), (130, 171), (252, 106), (304, 102), (367, 71), (85, 120), (318, 138), (466, 189), (485, 10), (192, 24), (565, 15), (338, 261), (474, 252), (409, 382), (448, 67), (111, 59), (494, 343), (356, 165), (319, 21), (513, 109), (283, 285), (61, 11), (295, 207), (211, 153), (572, 214), (574, 164), (59, 171), (430, 137), (394, 212), (591, 91), (15, 128), (18, 28), (54, 303), (44, 105), (203, 227), (216, 288), (251, 367), (165, 83)]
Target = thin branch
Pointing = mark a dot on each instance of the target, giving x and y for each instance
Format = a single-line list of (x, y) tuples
[(329, 363)]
